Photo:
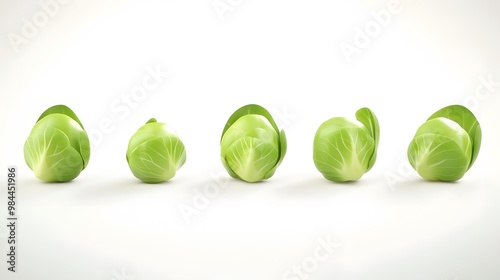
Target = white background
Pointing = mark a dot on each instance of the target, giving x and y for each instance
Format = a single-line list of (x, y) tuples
[(285, 56)]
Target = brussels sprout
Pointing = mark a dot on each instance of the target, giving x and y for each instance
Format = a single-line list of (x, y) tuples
[(58, 147), (252, 146), (345, 149), (155, 152), (446, 145)]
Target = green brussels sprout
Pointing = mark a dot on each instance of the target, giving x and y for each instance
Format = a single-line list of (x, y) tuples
[(446, 145), (155, 152), (252, 146), (58, 147), (345, 149)]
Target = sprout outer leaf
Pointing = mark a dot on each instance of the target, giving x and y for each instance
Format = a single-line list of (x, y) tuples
[(61, 109), (282, 151), (370, 121), (248, 110), (84, 148), (466, 119)]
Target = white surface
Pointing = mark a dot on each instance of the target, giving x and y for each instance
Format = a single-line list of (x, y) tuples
[(284, 55)]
